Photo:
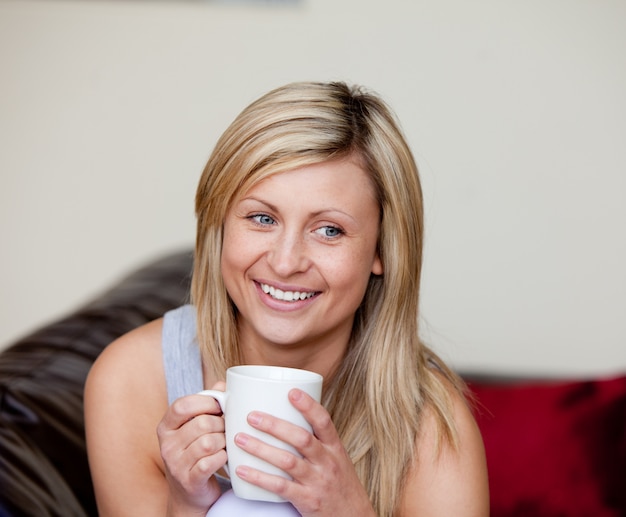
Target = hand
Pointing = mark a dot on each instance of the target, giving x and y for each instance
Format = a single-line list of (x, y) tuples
[(324, 479), (192, 442)]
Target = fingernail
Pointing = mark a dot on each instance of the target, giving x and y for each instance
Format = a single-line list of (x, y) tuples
[(254, 418), (241, 439), (295, 394), (242, 471)]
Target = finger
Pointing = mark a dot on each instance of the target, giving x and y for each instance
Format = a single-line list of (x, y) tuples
[(316, 415), (298, 437), (279, 485), (186, 408), (200, 436), (220, 386), (206, 445), (280, 458), (207, 466), (201, 426)]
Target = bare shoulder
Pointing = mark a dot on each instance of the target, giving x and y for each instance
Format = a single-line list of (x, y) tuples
[(141, 344), (130, 368), (448, 481), (125, 398)]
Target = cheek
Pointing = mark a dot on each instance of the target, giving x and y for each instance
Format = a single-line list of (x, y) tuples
[(228, 271), (351, 273), (234, 256), (241, 251)]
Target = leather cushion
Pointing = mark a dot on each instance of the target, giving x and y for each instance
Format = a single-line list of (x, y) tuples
[(43, 461)]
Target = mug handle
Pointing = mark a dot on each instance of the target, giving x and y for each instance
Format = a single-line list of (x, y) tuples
[(221, 397)]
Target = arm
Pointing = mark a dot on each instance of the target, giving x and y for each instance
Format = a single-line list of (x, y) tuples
[(125, 397), (144, 463), (451, 482)]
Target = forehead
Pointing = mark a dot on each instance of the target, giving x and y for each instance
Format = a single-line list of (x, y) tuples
[(333, 179)]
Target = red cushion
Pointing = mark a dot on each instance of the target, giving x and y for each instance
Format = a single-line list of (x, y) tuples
[(555, 449)]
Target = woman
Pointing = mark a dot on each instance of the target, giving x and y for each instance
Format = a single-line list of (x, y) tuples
[(308, 255)]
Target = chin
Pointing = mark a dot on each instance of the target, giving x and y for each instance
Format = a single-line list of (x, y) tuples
[(284, 340)]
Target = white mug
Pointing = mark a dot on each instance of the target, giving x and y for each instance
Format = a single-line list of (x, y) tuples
[(260, 388), (229, 505)]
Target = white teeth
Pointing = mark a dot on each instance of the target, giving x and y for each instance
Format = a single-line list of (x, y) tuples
[(287, 296)]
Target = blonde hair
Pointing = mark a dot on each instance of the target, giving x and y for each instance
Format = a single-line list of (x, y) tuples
[(388, 375)]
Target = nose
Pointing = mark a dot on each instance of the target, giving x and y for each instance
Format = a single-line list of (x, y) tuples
[(289, 255)]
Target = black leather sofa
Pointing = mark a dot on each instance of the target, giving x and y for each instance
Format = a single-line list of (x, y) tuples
[(43, 461)]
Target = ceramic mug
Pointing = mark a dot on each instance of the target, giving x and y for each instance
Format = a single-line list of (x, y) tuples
[(260, 388), (229, 505)]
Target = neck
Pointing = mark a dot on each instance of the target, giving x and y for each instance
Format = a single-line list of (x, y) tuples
[(323, 357)]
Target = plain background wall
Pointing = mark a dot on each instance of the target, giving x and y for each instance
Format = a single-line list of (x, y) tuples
[(515, 110)]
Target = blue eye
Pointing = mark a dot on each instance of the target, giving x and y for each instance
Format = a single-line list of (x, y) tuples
[(262, 219), (330, 232)]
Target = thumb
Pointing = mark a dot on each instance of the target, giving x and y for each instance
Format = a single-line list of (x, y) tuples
[(219, 386)]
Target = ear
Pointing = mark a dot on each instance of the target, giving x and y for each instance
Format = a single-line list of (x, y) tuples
[(377, 266)]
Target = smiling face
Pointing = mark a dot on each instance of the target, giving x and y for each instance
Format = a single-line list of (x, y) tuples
[(298, 251)]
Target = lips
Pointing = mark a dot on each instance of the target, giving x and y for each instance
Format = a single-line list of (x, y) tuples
[(286, 296)]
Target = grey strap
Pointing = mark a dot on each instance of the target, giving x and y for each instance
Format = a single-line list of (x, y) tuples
[(181, 356)]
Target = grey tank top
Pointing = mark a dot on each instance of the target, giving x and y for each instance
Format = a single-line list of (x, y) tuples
[(181, 355)]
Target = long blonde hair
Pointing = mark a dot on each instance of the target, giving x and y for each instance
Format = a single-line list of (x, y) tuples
[(388, 375)]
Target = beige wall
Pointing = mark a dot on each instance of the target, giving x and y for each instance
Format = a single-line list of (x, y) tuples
[(516, 112)]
